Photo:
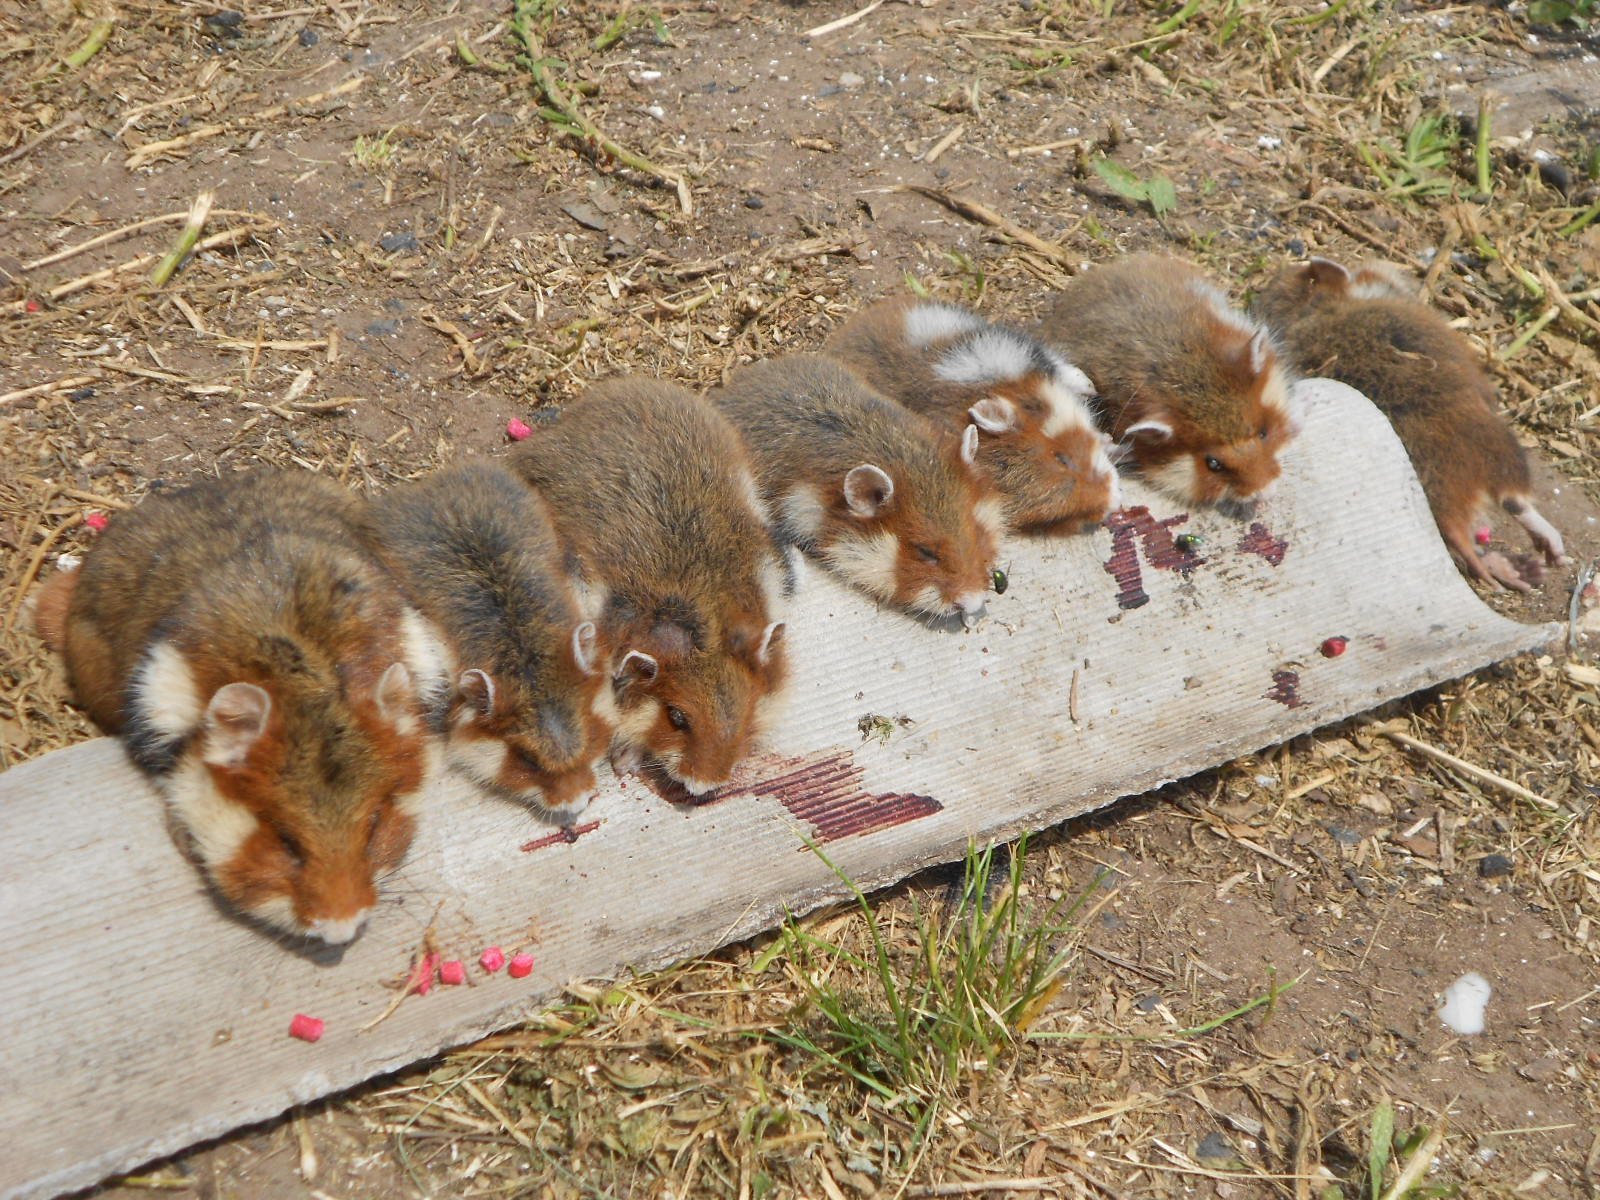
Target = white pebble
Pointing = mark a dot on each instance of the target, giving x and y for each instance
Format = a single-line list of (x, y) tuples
[(1267, 142), (1464, 1004)]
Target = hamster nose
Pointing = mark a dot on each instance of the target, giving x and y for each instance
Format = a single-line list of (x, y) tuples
[(972, 606), (341, 932)]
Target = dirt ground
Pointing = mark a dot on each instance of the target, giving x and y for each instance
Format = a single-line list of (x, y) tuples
[(405, 252)]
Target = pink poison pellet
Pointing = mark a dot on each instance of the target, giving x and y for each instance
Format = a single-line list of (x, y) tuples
[(492, 959), (521, 966), (307, 1029), (1484, 536), (517, 430), (453, 972), (97, 521)]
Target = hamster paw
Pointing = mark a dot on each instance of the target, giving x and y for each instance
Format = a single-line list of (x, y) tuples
[(1500, 570)]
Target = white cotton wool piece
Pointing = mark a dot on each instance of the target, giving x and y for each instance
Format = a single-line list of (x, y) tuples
[(1464, 1003)]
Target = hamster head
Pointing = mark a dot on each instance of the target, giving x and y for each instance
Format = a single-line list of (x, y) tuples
[(926, 544), (697, 712), (1221, 443), (1039, 443), (292, 790), (1297, 289), (536, 735)]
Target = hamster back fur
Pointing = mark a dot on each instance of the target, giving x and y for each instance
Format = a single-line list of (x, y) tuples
[(651, 490), (1193, 389), (531, 710), (1039, 442), (881, 495), (267, 672), (1367, 328)]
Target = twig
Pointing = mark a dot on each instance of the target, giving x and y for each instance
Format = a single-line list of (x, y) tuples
[(1531, 331), (943, 144), (199, 213), (843, 22), (116, 235), (1584, 576), (974, 211), (28, 147), (1480, 148), (143, 154), (38, 389), (533, 61), (1418, 1164), (91, 45), (1036, 1183), (469, 358), (1471, 772)]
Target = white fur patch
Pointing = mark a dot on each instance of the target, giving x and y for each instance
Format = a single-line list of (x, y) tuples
[(772, 578), (1545, 535), (1275, 394), (993, 356), (1222, 308), (752, 496), (165, 693), (636, 721), (479, 759), (339, 933), (1070, 377), (696, 787), (218, 826), (990, 513), (868, 561), (428, 657), (604, 706), (590, 598), (277, 912), (1066, 409), (801, 511), (929, 323), (1180, 477), (1382, 281)]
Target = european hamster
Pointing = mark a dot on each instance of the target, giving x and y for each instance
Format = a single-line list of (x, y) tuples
[(882, 496), (1367, 328), (267, 672), (651, 490), (531, 710), (1032, 408), (1194, 390)]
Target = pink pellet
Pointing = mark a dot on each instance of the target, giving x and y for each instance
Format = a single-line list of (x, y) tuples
[(422, 976), (521, 966), (96, 521), (1334, 646), (307, 1029), (517, 430), (1484, 536), (492, 959), (453, 972)]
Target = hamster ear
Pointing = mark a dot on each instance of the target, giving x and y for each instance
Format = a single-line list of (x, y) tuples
[(770, 637), (234, 720), (969, 444), (1324, 272), (1260, 351), (994, 414), (637, 665), (584, 639), (394, 692), (477, 688), (1149, 431), (867, 489)]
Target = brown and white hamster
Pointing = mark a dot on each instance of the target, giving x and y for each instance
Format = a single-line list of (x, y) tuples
[(886, 499), (267, 672), (531, 710), (1367, 328), (1033, 409), (1193, 390), (651, 490)]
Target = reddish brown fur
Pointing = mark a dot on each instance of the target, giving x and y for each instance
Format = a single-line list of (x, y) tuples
[(1159, 350), (257, 580), (1050, 484), (1426, 379), (810, 421), (649, 486), (50, 608)]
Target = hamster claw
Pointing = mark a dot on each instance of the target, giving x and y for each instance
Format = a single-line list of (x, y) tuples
[(1499, 570)]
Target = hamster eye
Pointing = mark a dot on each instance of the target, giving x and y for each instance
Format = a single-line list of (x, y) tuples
[(293, 848), (677, 717), (1263, 433), (1214, 464), (1063, 460), (925, 554)]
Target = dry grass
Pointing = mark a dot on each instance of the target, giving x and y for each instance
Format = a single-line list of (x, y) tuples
[(540, 263)]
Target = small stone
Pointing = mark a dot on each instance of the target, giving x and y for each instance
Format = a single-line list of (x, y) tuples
[(1345, 837), (851, 80), (309, 37), (383, 328), (1493, 866), (754, 202), (228, 23), (1214, 1149), (1148, 1004), (399, 243)]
